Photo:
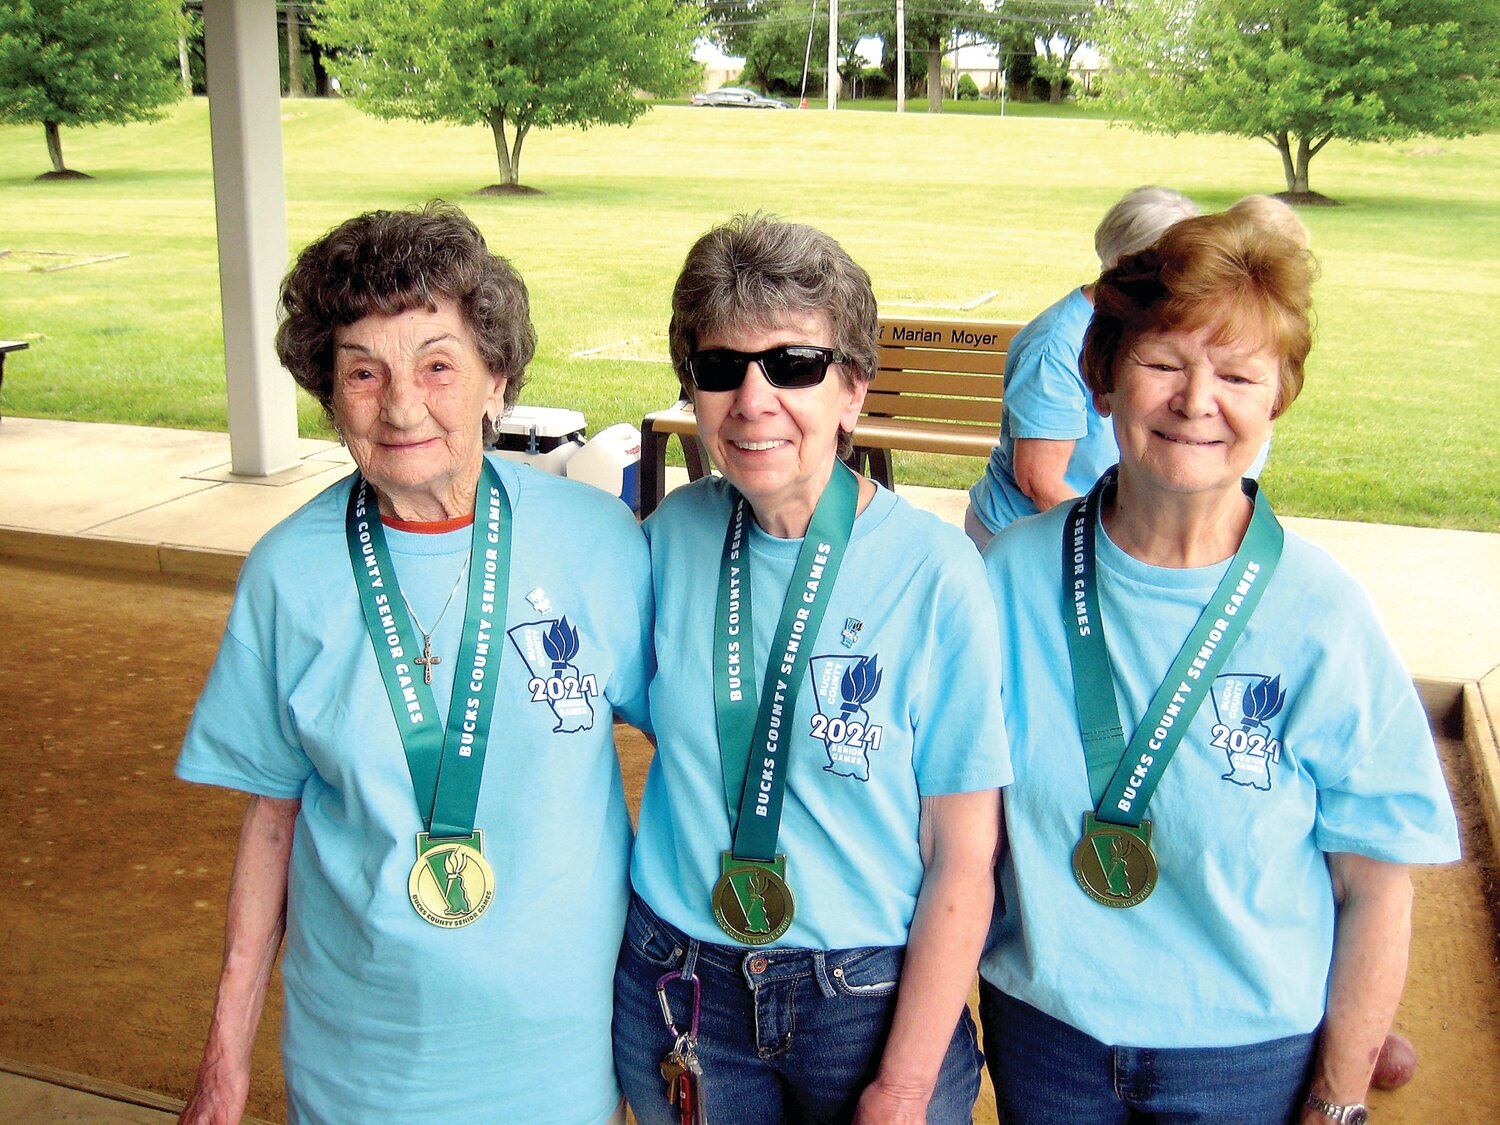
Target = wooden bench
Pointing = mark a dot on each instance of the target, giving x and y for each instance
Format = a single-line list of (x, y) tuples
[(937, 390), (6, 347)]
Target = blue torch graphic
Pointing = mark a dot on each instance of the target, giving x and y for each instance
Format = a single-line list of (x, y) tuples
[(1251, 749)]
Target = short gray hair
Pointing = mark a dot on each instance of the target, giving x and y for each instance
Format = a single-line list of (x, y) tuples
[(1138, 220), (754, 270)]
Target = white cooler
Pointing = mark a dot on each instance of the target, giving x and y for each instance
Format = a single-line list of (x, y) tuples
[(545, 437)]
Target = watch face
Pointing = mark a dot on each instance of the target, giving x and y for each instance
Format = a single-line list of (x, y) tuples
[(1358, 1115)]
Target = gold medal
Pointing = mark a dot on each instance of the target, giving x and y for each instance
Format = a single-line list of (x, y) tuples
[(1114, 864), (752, 902), (451, 883)]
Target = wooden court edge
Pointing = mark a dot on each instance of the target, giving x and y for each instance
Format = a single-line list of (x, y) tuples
[(1481, 730), (101, 1088), (134, 556)]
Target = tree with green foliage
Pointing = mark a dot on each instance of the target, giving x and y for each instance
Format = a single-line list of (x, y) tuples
[(1300, 73), (1064, 27), (929, 30), (729, 23), (1015, 47), (775, 43), (86, 62), (514, 65)]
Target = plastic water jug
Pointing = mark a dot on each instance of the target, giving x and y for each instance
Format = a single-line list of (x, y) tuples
[(611, 460)]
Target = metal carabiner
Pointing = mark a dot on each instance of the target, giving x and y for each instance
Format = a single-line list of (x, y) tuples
[(666, 1011)]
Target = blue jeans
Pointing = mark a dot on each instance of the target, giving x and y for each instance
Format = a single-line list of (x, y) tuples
[(1049, 1073), (786, 1035)]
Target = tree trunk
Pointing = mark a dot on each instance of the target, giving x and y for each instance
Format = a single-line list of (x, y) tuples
[(934, 77), (293, 52), (508, 170), (1283, 146), (515, 151), (1304, 157), (1055, 90), (182, 61), (320, 72), (54, 146)]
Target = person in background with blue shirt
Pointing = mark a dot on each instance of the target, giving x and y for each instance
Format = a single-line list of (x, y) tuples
[(1053, 443), (416, 688), (813, 867), (1222, 769)]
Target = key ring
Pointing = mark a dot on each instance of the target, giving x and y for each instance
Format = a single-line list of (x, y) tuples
[(666, 1011)]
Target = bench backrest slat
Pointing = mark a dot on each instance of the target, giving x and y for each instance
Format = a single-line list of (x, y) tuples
[(878, 405), (940, 383), (940, 370), (924, 359), (962, 335)]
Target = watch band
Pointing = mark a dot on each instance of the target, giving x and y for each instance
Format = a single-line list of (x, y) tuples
[(1352, 1114)]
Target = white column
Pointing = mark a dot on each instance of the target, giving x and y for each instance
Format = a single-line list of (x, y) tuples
[(833, 54), (240, 46), (900, 56)]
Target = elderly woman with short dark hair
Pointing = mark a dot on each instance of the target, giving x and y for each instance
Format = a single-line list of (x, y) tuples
[(813, 867), (1222, 769), (416, 687)]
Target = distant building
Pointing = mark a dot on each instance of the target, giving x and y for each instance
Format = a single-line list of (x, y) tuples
[(722, 71)]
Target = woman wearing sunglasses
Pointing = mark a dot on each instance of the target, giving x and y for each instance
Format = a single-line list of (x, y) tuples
[(813, 866)]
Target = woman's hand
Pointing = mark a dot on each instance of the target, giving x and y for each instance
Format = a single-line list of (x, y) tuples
[(256, 921), (219, 1094), (879, 1105)]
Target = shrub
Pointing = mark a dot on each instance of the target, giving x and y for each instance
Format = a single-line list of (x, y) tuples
[(1041, 90), (968, 90), (876, 83)]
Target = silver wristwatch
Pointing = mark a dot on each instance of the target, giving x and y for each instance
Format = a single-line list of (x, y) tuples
[(1355, 1114)]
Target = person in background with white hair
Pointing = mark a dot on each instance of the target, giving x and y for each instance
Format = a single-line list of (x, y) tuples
[(1273, 214), (1053, 443)]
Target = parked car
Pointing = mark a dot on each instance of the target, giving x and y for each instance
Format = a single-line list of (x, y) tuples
[(740, 98)]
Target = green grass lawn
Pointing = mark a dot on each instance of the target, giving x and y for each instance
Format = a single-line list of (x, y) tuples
[(1399, 423)]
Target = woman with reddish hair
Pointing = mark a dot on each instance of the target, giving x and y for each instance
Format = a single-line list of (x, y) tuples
[(1222, 769)]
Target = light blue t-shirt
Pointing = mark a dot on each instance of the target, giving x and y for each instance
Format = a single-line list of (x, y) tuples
[(1312, 741), (910, 614), (1046, 397), (388, 1018)]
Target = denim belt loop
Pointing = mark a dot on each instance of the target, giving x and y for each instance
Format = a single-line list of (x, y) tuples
[(690, 962), (820, 972)]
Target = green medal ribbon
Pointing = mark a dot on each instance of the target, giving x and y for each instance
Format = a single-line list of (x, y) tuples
[(446, 767), (1123, 778), (751, 901), (737, 705)]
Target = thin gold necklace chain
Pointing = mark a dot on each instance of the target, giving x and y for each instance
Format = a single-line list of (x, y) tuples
[(427, 633)]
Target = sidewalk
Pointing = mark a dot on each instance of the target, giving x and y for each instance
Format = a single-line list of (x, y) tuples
[(152, 499)]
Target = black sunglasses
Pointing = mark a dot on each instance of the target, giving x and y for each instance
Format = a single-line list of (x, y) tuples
[(788, 366)]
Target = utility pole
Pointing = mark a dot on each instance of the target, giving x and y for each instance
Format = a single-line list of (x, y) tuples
[(812, 25), (900, 56), (833, 54)]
